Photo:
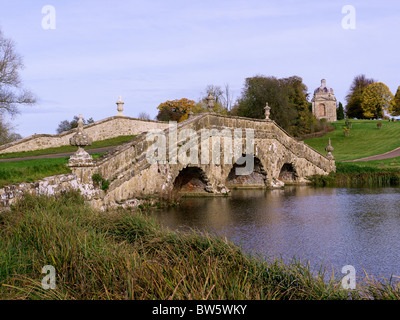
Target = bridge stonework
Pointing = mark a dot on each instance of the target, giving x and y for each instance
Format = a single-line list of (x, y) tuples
[(278, 157)]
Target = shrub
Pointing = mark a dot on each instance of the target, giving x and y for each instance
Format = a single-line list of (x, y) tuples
[(99, 181)]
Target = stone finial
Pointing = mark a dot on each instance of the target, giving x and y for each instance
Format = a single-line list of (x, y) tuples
[(267, 109), (81, 140), (329, 149), (210, 102), (80, 124), (120, 106)]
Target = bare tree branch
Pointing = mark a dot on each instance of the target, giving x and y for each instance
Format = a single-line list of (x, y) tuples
[(12, 93)]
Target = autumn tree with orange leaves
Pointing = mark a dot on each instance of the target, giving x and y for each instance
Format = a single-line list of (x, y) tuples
[(175, 110)]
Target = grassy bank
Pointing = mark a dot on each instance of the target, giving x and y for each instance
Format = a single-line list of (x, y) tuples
[(32, 170), (126, 255), (66, 149), (364, 140), (380, 173), (35, 169)]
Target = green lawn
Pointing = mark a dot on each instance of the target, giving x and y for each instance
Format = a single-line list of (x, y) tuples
[(393, 163), (35, 169), (32, 170), (66, 149), (364, 140)]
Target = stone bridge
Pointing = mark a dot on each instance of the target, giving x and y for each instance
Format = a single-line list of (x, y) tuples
[(278, 159)]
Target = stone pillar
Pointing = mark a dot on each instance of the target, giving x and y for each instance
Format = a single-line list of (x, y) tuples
[(210, 102), (81, 162), (267, 111), (120, 106), (329, 149)]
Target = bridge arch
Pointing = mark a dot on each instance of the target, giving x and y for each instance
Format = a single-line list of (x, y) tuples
[(191, 179), (288, 173), (258, 177), (277, 156)]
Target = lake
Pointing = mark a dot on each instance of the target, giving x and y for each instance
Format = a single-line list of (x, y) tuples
[(329, 226)]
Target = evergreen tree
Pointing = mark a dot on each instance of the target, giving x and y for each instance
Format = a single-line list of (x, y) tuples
[(340, 112)]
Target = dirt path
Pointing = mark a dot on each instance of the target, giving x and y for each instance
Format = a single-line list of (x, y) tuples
[(58, 155), (387, 155)]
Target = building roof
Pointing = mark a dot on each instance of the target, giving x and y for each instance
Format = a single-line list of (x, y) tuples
[(323, 88)]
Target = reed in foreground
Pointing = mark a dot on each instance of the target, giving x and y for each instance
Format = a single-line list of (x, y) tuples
[(126, 255)]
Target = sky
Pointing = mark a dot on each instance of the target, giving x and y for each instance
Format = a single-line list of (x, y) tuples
[(80, 57)]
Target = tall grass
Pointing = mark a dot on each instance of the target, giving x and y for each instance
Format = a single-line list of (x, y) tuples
[(126, 255), (356, 175)]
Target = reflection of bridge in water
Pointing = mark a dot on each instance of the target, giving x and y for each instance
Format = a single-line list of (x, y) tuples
[(278, 159)]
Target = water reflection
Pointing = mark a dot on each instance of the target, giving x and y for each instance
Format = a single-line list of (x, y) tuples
[(332, 226)]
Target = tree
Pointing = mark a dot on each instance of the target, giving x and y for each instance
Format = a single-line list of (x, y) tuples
[(227, 97), (66, 125), (144, 116), (201, 107), (12, 92), (7, 133), (296, 92), (288, 99), (340, 112), (259, 90), (223, 97), (396, 111), (221, 100), (376, 100), (175, 110), (354, 97), (216, 91)]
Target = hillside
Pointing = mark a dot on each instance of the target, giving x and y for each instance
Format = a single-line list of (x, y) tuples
[(364, 140)]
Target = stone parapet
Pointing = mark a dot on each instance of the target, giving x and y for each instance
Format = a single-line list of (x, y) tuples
[(130, 175), (100, 130)]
